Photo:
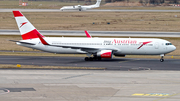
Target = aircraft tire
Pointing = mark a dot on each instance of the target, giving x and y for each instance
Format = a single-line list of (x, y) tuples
[(86, 59), (161, 60), (91, 59), (99, 58)]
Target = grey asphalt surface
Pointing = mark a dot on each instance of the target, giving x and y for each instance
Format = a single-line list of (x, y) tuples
[(97, 33), (92, 10), (89, 85), (123, 64)]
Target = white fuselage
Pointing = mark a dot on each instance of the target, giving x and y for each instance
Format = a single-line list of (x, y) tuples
[(123, 46), (80, 8)]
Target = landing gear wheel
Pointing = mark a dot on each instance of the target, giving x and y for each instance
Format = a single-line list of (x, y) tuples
[(161, 60), (99, 58), (91, 58), (86, 59)]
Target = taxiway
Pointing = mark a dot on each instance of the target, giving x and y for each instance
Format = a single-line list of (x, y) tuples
[(89, 85), (92, 10), (122, 64), (98, 33)]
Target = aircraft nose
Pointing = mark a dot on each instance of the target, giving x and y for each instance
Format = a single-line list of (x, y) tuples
[(173, 47)]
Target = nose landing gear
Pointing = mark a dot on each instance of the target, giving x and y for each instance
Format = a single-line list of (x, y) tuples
[(162, 58)]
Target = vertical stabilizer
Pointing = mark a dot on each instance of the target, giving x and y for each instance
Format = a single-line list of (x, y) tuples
[(27, 30), (98, 3)]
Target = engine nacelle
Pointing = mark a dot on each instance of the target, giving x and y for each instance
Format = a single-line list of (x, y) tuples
[(119, 54), (105, 54)]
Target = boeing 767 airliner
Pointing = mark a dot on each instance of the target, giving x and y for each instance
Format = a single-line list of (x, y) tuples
[(96, 47)]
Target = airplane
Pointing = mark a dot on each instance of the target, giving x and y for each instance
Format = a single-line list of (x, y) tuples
[(94, 48), (81, 8)]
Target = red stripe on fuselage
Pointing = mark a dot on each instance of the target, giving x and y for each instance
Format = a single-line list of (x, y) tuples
[(31, 35), (17, 14)]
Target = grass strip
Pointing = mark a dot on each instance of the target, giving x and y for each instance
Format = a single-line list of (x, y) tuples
[(18, 66), (101, 21)]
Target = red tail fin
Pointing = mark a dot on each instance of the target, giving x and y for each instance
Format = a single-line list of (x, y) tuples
[(27, 30)]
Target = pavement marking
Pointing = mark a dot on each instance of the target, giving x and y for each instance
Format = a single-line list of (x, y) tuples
[(140, 68), (18, 89), (150, 94), (167, 97), (76, 76)]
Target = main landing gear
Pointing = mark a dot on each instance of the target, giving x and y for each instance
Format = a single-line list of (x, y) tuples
[(162, 58), (92, 58)]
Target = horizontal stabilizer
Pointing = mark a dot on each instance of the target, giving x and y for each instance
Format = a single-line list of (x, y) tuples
[(23, 42)]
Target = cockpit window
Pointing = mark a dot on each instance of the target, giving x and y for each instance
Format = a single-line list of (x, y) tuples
[(168, 43)]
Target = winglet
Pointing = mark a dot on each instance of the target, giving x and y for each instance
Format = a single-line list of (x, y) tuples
[(42, 40), (87, 34), (98, 3)]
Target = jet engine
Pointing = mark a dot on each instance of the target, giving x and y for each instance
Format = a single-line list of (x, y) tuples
[(119, 54), (105, 54)]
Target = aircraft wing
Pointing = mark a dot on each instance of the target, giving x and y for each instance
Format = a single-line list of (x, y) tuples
[(86, 49), (83, 48)]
